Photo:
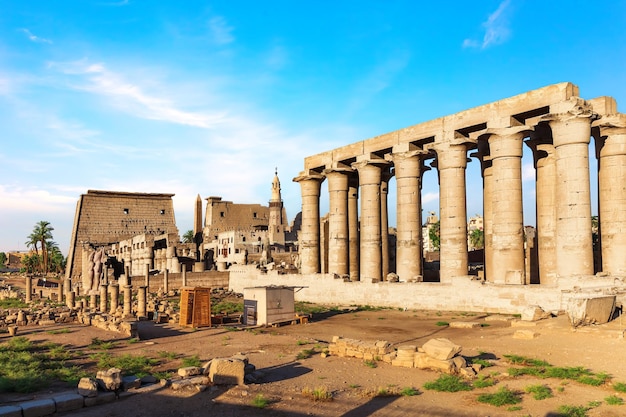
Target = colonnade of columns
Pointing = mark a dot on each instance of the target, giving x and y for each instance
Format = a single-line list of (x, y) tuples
[(559, 140)]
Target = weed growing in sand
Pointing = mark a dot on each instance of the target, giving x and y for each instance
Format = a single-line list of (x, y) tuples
[(448, 383), (318, 394), (504, 396), (542, 369), (614, 400), (132, 341), (97, 343), (260, 401), (370, 363), (191, 361), (409, 392), (305, 354), (540, 392), (168, 355), (573, 410), (59, 331), (484, 381), (619, 387)]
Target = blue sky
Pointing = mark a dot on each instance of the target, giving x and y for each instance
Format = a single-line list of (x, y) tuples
[(202, 97)]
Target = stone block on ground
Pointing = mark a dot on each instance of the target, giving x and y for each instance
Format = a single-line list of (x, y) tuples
[(227, 371), (442, 349), (534, 313), (499, 317), (189, 371), (464, 324), (38, 408), (522, 323), (88, 387), (590, 309), (10, 411), (424, 361), (102, 398), (68, 402), (130, 382), (109, 380)]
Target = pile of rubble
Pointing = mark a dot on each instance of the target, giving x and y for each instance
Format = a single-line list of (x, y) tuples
[(436, 354), (40, 314)]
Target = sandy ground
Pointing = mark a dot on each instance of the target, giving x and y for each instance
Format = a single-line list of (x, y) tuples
[(351, 381)]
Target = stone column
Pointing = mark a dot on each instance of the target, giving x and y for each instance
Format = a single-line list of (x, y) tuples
[(115, 297), (370, 175), (93, 302), (309, 245), (408, 167), (70, 300), (612, 193), (128, 301), (103, 297), (146, 274), (386, 175), (141, 302), (505, 149), (353, 226), (60, 293), (570, 122), (29, 288), (451, 163), (338, 252), (487, 174), (545, 196), (166, 281)]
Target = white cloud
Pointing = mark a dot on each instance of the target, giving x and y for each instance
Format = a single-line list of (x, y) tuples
[(33, 200), (34, 38), (221, 31), (130, 97), (429, 197), (496, 29)]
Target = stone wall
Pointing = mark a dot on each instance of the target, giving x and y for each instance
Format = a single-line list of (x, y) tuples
[(208, 279), (463, 294), (106, 217)]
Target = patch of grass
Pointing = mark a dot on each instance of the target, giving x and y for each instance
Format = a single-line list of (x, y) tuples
[(59, 331), (134, 364), (318, 394), (309, 308), (370, 363), (442, 323), (191, 361), (354, 386), (132, 341), (97, 343), (305, 354), (302, 342), (614, 400), (484, 362), (540, 392), (260, 401), (524, 361), (504, 396), (227, 307), (409, 392), (168, 355), (162, 375), (514, 408), (485, 324), (619, 387), (484, 381), (448, 383), (28, 367), (593, 404), (12, 303), (572, 411)]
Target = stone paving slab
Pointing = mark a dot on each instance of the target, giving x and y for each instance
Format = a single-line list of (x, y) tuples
[(68, 402), (10, 411), (38, 408)]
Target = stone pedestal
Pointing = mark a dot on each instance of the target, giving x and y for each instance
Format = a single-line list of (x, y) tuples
[(128, 301), (29, 289), (166, 281), (103, 298), (141, 302), (70, 300)]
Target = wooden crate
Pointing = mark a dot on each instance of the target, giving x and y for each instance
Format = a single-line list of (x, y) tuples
[(195, 307)]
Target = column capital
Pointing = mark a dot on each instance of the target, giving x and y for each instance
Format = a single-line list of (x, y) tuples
[(451, 155), (614, 124), (401, 156), (573, 108), (306, 176), (504, 141)]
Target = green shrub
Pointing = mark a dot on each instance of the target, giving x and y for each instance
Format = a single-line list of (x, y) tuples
[(484, 381), (318, 394), (448, 383), (442, 323), (614, 400), (409, 392), (572, 411), (260, 401), (370, 363), (619, 387), (540, 392), (191, 361), (305, 354), (503, 396)]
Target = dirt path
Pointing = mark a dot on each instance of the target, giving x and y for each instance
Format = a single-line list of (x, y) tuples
[(274, 351)]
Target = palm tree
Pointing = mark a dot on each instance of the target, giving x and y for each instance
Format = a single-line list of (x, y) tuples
[(188, 237), (477, 239), (56, 258), (42, 233), (433, 234)]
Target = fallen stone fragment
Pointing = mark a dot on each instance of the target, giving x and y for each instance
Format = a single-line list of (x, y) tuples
[(442, 349), (464, 324), (88, 387), (110, 380)]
